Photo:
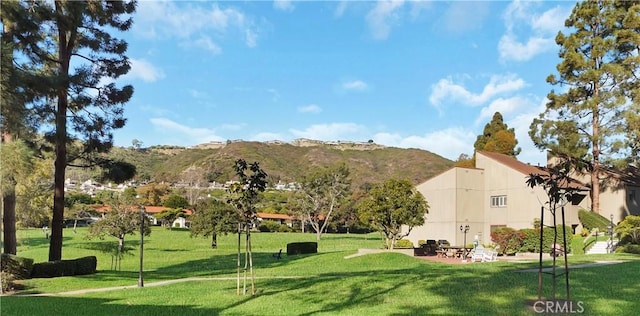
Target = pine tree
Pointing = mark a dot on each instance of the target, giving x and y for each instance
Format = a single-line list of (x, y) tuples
[(72, 98), (598, 74), (498, 137)]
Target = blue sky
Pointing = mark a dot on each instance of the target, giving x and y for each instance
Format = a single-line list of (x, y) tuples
[(409, 74)]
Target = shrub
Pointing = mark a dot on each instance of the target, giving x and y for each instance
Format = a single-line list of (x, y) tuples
[(591, 220), (508, 240), (283, 228), (531, 239), (629, 248), (404, 243), (7, 279), (18, 267), (52, 269), (86, 265), (421, 242), (296, 248), (269, 226)]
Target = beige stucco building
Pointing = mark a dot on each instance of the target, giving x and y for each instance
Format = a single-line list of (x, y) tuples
[(495, 194)]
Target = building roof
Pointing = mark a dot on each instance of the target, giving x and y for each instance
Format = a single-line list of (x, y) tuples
[(274, 216), (147, 209), (525, 168)]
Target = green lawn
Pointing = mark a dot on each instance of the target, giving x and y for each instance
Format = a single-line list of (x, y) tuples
[(318, 284)]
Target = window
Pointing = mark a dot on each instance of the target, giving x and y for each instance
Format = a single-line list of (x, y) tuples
[(498, 201)]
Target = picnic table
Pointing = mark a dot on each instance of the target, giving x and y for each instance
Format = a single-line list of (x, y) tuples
[(455, 252)]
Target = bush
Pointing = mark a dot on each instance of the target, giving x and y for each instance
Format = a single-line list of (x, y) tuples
[(86, 265), (508, 239), (269, 226), (296, 248), (18, 267), (283, 228), (531, 239), (629, 248), (7, 279), (404, 243), (591, 220), (421, 242), (52, 269)]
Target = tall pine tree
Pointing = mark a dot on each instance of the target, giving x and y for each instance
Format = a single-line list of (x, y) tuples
[(598, 74), (69, 60), (497, 137)]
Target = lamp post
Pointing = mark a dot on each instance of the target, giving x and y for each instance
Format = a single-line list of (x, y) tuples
[(140, 277), (610, 227), (464, 229)]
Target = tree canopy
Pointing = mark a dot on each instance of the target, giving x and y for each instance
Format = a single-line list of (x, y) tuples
[(598, 102), (497, 137), (392, 205), (321, 193)]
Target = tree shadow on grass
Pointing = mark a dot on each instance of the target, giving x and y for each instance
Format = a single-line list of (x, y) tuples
[(35, 306), (221, 265)]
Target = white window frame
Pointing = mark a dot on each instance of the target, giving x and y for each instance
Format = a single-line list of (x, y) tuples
[(498, 201)]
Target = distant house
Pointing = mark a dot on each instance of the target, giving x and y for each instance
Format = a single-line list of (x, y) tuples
[(151, 211), (280, 218), (490, 196)]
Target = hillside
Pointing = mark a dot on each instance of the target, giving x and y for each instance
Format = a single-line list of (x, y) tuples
[(284, 162)]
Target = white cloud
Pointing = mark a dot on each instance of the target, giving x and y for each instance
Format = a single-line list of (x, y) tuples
[(205, 42), (446, 89), (505, 106), (538, 29), (448, 143), (551, 21), (462, 16), (356, 85), (333, 131), (283, 5), (382, 16), (266, 136), (144, 70), (176, 130), (521, 123), (340, 8), (511, 49), (184, 20), (312, 108)]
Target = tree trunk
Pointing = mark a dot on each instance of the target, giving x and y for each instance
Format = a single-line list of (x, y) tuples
[(238, 261), (9, 218), (64, 57), (214, 240), (595, 173), (253, 283)]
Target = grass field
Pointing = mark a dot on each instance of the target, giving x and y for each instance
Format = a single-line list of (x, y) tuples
[(319, 284)]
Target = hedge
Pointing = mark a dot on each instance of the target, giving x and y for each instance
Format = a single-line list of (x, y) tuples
[(19, 267), (591, 220), (296, 248), (58, 268)]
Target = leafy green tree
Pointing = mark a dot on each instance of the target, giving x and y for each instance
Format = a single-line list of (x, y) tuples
[(498, 137), (321, 192), (598, 73), (153, 193), (212, 217), (70, 60), (630, 228), (17, 162), (34, 198), (244, 195), (122, 219), (175, 201), (392, 205)]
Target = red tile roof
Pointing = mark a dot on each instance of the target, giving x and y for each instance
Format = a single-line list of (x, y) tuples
[(148, 209), (274, 216)]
